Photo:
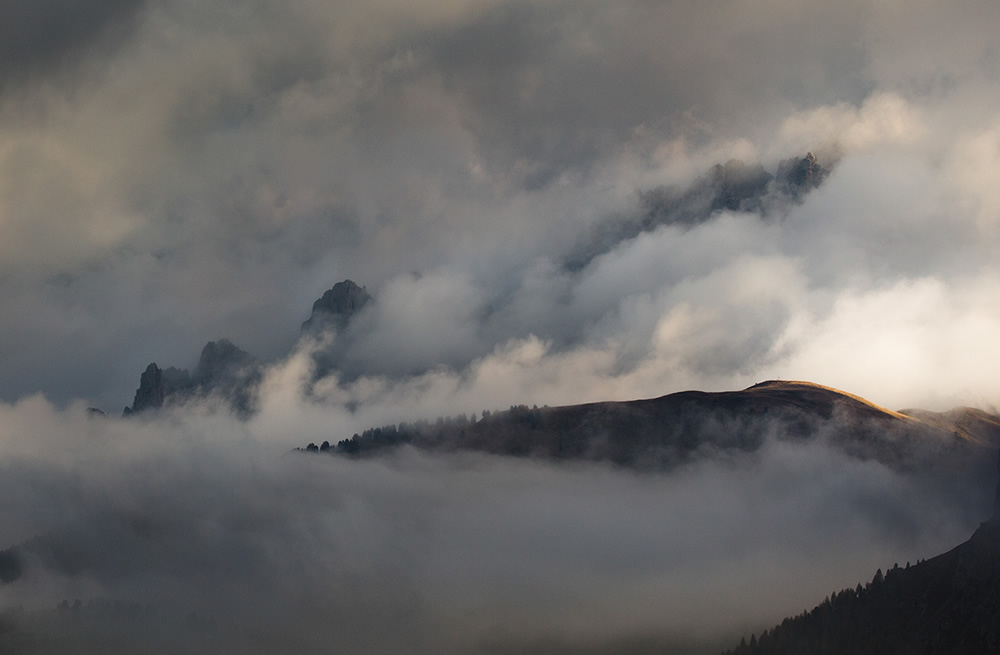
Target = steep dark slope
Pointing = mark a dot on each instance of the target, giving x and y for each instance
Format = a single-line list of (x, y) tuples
[(949, 604), (662, 432), (336, 307)]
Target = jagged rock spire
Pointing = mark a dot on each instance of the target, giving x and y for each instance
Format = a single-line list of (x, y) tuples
[(337, 306), (155, 384), (223, 369)]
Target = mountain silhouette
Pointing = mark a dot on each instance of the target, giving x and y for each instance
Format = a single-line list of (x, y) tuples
[(223, 370), (228, 372), (336, 307), (660, 433)]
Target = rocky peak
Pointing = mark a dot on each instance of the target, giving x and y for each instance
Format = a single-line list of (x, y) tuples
[(230, 373), (800, 175), (223, 369), (337, 306), (155, 385), (221, 359)]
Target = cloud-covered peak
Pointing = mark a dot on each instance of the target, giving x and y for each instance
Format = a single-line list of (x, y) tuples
[(336, 306), (181, 172)]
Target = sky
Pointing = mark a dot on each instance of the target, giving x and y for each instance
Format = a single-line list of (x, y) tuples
[(176, 172)]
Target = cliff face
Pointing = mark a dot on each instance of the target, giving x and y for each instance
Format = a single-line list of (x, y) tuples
[(336, 307), (156, 385), (228, 372), (332, 316), (223, 370)]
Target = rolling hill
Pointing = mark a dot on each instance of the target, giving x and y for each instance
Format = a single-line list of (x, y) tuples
[(659, 433)]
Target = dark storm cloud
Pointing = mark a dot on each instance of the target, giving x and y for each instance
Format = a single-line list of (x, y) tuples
[(231, 162), (554, 88), (39, 37)]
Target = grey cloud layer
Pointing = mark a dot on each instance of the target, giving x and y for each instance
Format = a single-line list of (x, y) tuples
[(217, 166), (40, 38), (199, 516)]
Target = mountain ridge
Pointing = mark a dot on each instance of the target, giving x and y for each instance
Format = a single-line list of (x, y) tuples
[(734, 186), (660, 433)]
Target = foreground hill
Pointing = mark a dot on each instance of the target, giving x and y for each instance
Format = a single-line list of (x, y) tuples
[(949, 604), (662, 432)]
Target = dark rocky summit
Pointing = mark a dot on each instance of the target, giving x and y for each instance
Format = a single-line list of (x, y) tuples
[(336, 307), (229, 372), (156, 385), (223, 370), (226, 371), (333, 315)]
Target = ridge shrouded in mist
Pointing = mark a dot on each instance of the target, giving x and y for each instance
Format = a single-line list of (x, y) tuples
[(733, 187), (662, 433), (336, 307)]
